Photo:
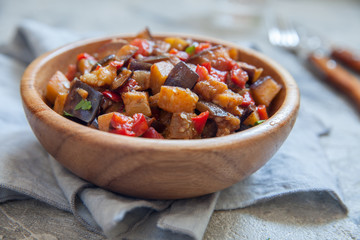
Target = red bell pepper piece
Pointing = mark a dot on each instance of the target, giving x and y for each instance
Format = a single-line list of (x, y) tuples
[(114, 96), (152, 133), (85, 56), (140, 124), (117, 64), (183, 56), (207, 65), (144, 46), (239, 76), (202, 72), (247, 99), (122, 124), (128, 86), (262, 112), (200, 121), (220, 75), (202, 46), (71, 72)]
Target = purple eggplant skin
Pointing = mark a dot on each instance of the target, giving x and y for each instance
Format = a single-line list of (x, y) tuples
[(74, 98), (103, 61), (182, 76), (139, 65), (214, 110)]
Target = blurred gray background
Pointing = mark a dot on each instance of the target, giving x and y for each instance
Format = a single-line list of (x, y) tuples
[(334, 19)]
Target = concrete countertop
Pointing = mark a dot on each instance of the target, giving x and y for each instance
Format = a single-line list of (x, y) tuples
[(290, 217)]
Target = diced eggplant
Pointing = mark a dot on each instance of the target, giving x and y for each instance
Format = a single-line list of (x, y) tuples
[(252, 71), (145, 34), (226, 122), (121, 79), (247, 112), (217, 56), (214, 110), (210, 129), (181, 126), (94, 124), (103, 61), (139, 65), (198, 56), (182, 76), (126, 52), (264, 90), (142, 78), (73, 102), (155, 59)]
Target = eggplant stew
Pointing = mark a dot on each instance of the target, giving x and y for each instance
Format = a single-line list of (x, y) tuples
[(172, 88)]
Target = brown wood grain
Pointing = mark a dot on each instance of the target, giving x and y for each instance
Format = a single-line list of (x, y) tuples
[(150, 168)]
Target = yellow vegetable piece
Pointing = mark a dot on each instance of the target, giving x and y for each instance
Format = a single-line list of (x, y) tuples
[(104, 121), (177, 99), (264, 90), (252, 119), (178, 43), (158, 74), (58, 84), (59, 103), (136, 102)]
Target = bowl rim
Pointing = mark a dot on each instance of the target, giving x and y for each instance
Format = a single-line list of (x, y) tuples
[(34, 102)]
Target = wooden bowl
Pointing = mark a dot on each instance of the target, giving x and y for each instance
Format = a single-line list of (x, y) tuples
[(149, 168)]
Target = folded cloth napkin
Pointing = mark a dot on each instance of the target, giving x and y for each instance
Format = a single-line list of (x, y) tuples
[(27, 171)]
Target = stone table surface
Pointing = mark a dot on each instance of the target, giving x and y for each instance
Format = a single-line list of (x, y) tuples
[(291, 217)]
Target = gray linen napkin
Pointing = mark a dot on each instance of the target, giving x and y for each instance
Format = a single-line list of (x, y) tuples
[(26, 170)]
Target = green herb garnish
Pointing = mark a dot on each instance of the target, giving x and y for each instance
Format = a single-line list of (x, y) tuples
[(83, 104), (259, 122), (66, 114), (190, 50)]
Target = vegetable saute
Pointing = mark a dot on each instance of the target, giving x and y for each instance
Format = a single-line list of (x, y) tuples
[(172, 88)]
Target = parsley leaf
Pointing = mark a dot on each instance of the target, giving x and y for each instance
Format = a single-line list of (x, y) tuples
[(259, 122), (83, 104), (190, 50), (66, 114)]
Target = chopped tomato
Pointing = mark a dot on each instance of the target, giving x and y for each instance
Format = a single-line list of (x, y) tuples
[(121, 124), (207, 65), (247, 99), (140, 124), (85, 56), (129, 126), (262, 112), (128, 86), (97, 67), (200, 121), (239, 76), (144, 46), (117, 64), (202, 46), (114, 96), (152, 133), (183, 56), (220, 75), (202, 72), (70, 75)]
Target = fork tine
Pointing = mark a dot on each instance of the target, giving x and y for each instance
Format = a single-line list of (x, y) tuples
[(283, 33)]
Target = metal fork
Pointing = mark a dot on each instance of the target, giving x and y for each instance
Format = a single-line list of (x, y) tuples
[(283, 33)]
